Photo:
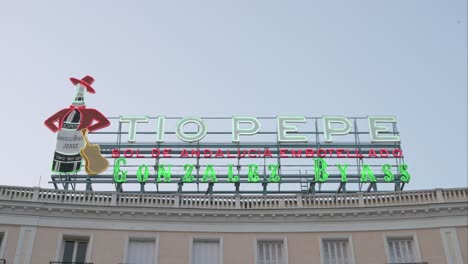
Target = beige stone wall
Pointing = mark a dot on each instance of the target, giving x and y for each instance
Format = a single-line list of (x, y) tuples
[(174, 247), (304, 248), (369, 247), (462, 234), (10, 242), (431, 246), (109, 246)]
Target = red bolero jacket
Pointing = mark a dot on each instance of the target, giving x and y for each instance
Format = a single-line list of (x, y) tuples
[(88, 116)]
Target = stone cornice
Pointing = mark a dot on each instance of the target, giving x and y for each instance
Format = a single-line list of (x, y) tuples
[(416, 209)]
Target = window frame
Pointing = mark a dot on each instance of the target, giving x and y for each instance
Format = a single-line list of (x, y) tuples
[(218, 239), (4, 233), (76, 243), (396, 236), (154, 238), (62, 237), (283, 240), (348, 238)]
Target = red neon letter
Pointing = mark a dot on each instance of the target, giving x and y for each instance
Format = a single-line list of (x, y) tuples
[(297, 154), (167, 153), (252, 155), (383, 153), (321, 153), (397, 153), (138, 154), (309, 153), (267, 153), (207, 153), (372, 153), (155, 153), (283, 153), (349, 154), (196, 153), (339, 153), (115, 153), (219, 154), (128, 153), (358, 154), (184, 153)]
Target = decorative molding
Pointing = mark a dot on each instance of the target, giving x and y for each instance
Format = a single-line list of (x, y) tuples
[(24, 246), (70, 209), (449, 236)]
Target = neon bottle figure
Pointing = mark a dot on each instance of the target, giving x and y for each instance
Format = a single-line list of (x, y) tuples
[(69, 122)]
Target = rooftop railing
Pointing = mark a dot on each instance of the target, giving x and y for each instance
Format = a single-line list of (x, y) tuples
[(368, 199), (61, 262), (408, 263)]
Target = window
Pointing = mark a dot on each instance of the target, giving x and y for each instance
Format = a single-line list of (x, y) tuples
[(141, 250), (2, 241), (205, 251), (336, 251), (402, 250), (74, 249), (270, 252)]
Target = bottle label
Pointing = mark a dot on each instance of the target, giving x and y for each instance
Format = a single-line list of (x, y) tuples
[(69, 142)]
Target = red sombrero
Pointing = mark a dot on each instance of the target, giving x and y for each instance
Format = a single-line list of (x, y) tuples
[(86, 81)]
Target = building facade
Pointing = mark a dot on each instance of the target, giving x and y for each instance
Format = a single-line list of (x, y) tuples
[(57, 226)]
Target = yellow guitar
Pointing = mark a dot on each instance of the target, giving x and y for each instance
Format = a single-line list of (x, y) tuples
[(95, 162)]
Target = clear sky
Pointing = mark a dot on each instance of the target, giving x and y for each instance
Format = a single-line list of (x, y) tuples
[(224, 58)]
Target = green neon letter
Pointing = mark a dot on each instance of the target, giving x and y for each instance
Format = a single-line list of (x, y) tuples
[(161, 129), (387, 170), (253, 173), (237, 130), (343, 172), (133, 120), (367, 175), (375, 129), (320, 167), (328, 130), (202, 129), (142, 176), (120, 175), (163, 173), (405, 176), (231, 176), (283, 128), (274, 177), (210, 174), (188, 177)]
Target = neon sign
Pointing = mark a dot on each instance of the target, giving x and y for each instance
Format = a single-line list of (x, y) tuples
[(252, 175), (72, 125), (287, 132), (282, 154)]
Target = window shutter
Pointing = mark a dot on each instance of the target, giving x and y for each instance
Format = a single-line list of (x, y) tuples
[(336, 251), (270, 252), (402, 250), (141, 251), (205, 252)]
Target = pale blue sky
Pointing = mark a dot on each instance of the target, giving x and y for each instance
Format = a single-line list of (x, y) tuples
[(224, 58)]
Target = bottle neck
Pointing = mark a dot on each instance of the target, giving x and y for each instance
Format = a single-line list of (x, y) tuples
[(79, 95)]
